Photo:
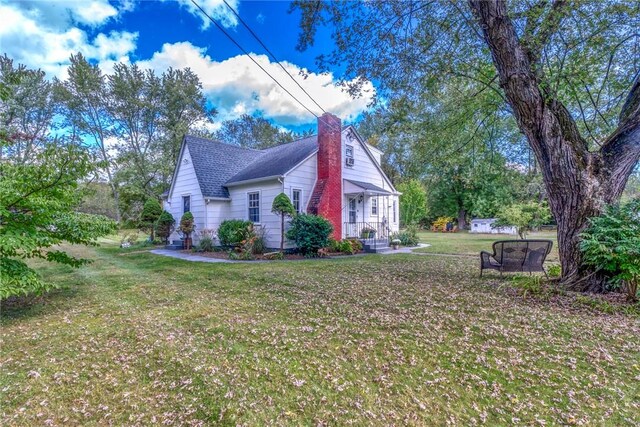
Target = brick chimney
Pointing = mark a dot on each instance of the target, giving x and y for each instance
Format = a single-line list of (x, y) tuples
[(326, 199)]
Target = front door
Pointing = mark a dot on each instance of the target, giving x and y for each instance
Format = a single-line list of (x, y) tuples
[(353, 213)]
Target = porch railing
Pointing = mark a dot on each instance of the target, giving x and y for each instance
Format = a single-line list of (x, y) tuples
[(367, 230)]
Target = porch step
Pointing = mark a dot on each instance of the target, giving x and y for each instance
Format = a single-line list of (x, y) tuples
[(375, 246), (176, 245)]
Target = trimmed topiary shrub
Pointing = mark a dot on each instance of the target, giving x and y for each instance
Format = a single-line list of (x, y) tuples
[(232, 232), (310, 233), (165, 226), (149, 216)]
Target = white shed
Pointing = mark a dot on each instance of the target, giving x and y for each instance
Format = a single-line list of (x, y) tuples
[(483, 225)]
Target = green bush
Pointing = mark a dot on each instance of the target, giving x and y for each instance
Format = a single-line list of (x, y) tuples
[(206, 242), (232, 232), (165, 226), (408, 236), (310, 233), (356, 245), (150, 214), (612, 243)]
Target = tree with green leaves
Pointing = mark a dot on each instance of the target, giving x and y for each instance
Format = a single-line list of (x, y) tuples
[(253, 132), (567, 72), (413, 202), (525, 217), (83, 97), (38, 202), (27, 114), (282, 206)]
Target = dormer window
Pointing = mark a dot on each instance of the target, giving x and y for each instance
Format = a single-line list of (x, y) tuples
[(349, 155)]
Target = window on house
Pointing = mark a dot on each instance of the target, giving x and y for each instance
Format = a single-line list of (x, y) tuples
[(254, 207), (374, 207), (186, 204), (349, 155), (296, 199), (394, 211)]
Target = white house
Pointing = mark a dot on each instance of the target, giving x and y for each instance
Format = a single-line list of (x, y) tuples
[(483, 225), (335, 174)]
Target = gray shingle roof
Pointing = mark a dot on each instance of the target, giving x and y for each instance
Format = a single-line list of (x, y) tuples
[(369, 186), (217, 164), (278, 160)]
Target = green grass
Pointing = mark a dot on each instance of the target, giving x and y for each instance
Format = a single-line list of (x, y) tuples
[(464, 243), (139, 339)]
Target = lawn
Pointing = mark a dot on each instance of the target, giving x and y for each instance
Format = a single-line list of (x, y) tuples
[(139, 339), (464, 243)]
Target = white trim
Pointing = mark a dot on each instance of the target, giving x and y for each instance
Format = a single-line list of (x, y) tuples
[(250, 181), (259, 205), (222, 199), (177, 167), (302, 210)]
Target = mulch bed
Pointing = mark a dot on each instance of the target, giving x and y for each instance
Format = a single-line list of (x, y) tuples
[(225, 255)]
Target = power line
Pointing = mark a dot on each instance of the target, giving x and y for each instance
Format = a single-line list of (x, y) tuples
[(258, 64), (255, 36)]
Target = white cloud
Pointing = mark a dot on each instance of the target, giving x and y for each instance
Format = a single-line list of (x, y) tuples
[(44, 34), (214, 8), (236, 86)]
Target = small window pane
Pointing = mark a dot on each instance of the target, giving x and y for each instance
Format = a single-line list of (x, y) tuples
[(296, 196), (374, 206), (254, 207), (394, 211), (186, 204), (349, 151)]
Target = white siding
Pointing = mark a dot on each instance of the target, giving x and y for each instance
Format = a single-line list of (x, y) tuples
[(365, 170), (268, 191), (303, 177), (186, 184)]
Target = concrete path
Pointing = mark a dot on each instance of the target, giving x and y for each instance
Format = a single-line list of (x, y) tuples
[(193, 257), (200, 258)]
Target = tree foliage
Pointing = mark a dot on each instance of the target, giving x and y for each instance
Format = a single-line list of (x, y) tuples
[(37, 213), (254, 132), (413, 202), (525, 216), (283, 207)]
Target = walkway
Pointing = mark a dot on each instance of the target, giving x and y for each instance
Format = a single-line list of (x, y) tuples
[(200, 258)]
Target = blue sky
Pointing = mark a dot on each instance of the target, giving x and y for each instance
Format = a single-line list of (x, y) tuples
[(160, 34)]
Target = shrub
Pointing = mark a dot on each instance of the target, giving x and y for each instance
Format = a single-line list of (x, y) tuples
[(310, 233), (149, 216), (187, 224), (233, 231), (259, 241), (165, 226), (407, 237), (612, 243), (206, 242), (440, 224), (356, 245), (241, 256)]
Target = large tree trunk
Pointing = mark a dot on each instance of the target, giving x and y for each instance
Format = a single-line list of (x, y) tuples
[(579, 183), (462, 219)]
